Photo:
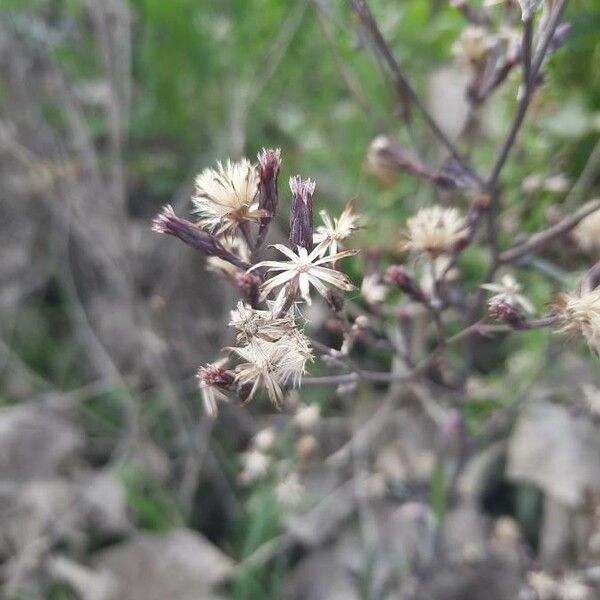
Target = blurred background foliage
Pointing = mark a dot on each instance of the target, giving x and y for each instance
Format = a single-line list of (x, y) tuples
[(213, 79)]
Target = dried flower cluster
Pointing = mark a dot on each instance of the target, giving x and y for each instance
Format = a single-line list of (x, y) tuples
[(237, 201)]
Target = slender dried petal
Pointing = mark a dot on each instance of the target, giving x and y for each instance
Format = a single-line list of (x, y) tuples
[(330, 235), (304, 269)]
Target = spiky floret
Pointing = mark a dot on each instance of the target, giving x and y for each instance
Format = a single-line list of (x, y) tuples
[(227, 196), (304, 269), (333, 231), (434, 230), (579, 312)]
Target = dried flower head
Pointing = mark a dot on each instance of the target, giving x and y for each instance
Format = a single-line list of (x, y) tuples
[(508, 291), (255, 465), (591, 399), (271, 365), (473, 46), (579, 312), (434, 230), (500, 309), (573, 588), (397, 275), (307, 416), (213, 379), (264, 439), (289, 491), (373, 289), (545, 586), (267, 324), (587, 233), (227, 196), (330, 235), (304, 269)]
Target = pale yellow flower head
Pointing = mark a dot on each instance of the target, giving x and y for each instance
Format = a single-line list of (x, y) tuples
[(271, 365), (227, 196), (435, 230), (587, 233), (473, 46), (579, 312)]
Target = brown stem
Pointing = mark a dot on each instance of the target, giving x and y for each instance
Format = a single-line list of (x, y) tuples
[(543, 237), (403, 86)]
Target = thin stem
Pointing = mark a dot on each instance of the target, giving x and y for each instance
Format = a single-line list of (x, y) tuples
[(404, 88), (526, 51), (246, 233), (384, 377), (529, 83), (543, 237)]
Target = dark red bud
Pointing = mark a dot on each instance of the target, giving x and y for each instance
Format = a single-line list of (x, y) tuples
[(269, 164), (505, 311), (216, 376), (169, 223), (301, 218), (397, 275), (335, 301), (249, 285)]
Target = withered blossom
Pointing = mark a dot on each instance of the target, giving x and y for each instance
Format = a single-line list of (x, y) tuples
[(213, 380), (255, 466), (272, 365), (269, 325), (434, 230), (289, 491), (500, 309), (587, 233), (330, 235), (264, 439), (227, 197), (305, 269), (397, 275), (509, 291), (373, 290), (579, 311), (473, 46), (307, 416)]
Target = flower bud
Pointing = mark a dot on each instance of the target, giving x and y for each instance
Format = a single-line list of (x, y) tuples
[(249, 285), (307, 447), (563, 31), (169, 223), (335, 301), (385, 158), (397, 275), (301, 218), (500, 309), (269, 164), (213, 375)]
